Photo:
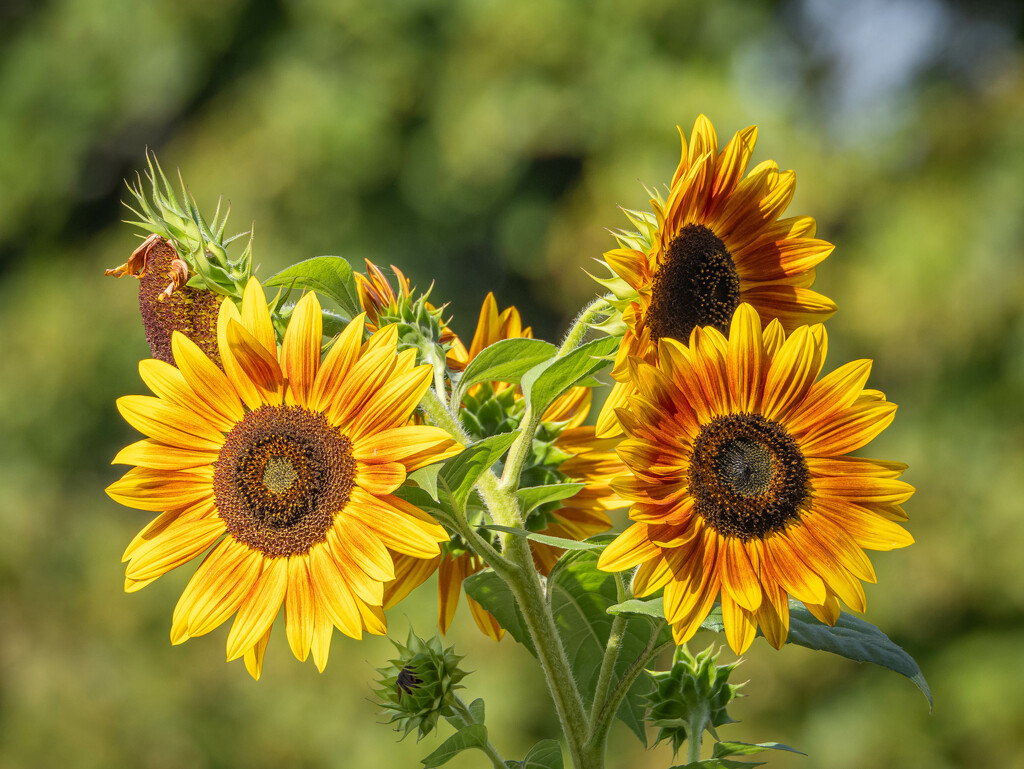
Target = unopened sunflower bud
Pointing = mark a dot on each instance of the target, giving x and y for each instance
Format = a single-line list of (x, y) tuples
[(419, 687), (691, 697)]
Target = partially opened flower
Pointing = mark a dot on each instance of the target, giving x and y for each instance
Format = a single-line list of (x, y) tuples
[(742, 488), (286, 465), (715, 241), (564, 452)]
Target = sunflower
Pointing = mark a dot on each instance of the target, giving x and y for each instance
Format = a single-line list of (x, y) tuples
[(717, 240), (285, 465), (573, 454), (741, 485)]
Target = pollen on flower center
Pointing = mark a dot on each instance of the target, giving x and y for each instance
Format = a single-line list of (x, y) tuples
[(747, 475), (696, 286), (279, 474), (281, 477)]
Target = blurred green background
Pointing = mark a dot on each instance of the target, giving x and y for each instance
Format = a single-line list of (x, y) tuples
[(485, 146)]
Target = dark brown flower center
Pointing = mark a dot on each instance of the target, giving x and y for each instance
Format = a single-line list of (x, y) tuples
[(697, 285), (281, 477), (747, 475)]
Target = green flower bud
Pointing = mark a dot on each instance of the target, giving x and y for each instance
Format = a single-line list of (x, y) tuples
[(418, 688), (691, 697)]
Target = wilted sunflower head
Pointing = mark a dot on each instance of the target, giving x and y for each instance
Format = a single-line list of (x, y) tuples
[(740, 481), (286, 464), (715, 241)]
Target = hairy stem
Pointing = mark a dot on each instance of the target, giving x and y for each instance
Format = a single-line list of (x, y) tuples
[(611, 652)]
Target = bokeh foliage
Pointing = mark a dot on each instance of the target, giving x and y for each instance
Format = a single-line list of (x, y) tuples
[(484, 146)]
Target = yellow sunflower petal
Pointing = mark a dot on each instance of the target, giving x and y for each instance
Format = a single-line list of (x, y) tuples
[(254, 656), (852, 428), (793, 370), (168, 383), (628, 549), (299, 607), (244, 386), (339, 360), (485, 620), (185, 537), (745, 361), (256, 364), (835, 391), (450, 574), (160, 490), (332, 593), (393, 404), (739, 579), (208, 382), (740, 626), (300, 350), (410, 573), (380, 479), (169, 423), (215, 591), (400, 526), (256, 317), (259, 608), (160, 456), (365, 547), (413, 446)]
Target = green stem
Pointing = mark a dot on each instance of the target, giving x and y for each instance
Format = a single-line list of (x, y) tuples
[(611, 652), (464, 718), (600, 726), (693, 742), (520, 450)]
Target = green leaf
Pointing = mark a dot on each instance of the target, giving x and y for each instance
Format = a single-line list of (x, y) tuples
[(421, 498), (856, 640), (580, 596), (476, 709), (487, 588), (533, 497), (504, 361), (546, 381), (461, 471), (723, 749), (546, 754), (474, 736), (426, 478), (719, 763), (565, 544), (655, 608), (327, 275)]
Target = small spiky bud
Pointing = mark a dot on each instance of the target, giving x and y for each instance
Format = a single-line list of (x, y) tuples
[(200, 245), (419, 687), (691, 697), (421, 326)]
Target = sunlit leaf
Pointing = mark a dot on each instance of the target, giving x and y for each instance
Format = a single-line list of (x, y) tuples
[(462, 471), (532, 497), (504, 361), (330, 276), (546, 381)]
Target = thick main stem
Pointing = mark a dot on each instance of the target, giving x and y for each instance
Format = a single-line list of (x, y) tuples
[(516, 569)]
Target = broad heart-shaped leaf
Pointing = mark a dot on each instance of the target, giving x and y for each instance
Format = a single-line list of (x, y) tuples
[(533, 496), (487, 588), (546, 754), (461, 471), (580, 595), (856, 640), (327, 275), (546, 381), (504, 361), (474, 736)]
